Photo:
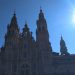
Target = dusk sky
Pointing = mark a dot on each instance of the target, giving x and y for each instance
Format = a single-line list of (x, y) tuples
[(59, 14)]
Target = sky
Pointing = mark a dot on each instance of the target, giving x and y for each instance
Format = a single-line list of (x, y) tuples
[(59, 14)]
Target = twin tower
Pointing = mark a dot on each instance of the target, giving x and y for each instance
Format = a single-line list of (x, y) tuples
[(42, 35), (22, 55)]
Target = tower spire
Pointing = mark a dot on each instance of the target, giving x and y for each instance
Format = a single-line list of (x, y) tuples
[(40, 9), (13, 22), (63, 48), (12, 28), (26, 31), (41, 14)]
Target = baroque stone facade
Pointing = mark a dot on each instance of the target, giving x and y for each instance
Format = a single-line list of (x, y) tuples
[(22, 55)]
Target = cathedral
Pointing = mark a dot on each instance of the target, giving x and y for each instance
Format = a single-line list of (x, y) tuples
[(23, 55)]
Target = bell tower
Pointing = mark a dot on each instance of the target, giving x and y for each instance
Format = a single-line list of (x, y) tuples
[(12, 46), (44, 49), (42, 35)]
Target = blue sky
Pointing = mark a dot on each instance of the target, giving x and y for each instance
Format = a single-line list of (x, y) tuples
[(58, 14)]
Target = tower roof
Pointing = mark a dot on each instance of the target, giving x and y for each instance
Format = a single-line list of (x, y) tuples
[(25, 29), (63, 48), (14, 21), (61, 37), (13, 26), (41, 14), (62, 40), (40, 10)]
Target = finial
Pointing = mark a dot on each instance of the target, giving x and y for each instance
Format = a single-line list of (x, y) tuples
[(26, 25), (40, 9)]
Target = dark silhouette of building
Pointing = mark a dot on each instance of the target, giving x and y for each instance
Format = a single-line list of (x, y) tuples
[(22, 55)]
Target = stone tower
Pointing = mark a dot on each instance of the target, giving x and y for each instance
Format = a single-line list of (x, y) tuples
[(42, 35), (26, 52), (63, 48), (11, 47), (44, 49)]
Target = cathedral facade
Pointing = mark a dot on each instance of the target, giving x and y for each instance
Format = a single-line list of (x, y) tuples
[(22, 55)]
